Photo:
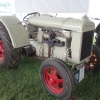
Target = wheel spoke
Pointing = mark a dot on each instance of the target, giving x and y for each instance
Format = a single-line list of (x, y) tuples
[(58, 83), (56, 86), (54, 72), (0, 49), (48, 74), (59, 86), (0, 42), (61, 80)]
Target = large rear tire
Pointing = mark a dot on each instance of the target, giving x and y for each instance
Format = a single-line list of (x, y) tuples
[(94, 62), (9, 56), (56, 78)]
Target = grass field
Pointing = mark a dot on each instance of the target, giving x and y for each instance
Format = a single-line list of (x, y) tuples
[(24, 83)]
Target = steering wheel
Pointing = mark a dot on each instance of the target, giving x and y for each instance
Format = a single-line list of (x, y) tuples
[(30, 14)]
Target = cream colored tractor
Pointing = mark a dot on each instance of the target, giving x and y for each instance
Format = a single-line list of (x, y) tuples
[(64, 43)]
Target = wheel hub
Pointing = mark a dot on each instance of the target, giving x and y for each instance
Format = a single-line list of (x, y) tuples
[(53, 80)]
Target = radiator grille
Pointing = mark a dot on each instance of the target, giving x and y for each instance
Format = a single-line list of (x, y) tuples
[(86, 44)]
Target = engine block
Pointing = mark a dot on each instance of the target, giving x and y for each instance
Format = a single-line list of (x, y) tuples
[(68, 39)]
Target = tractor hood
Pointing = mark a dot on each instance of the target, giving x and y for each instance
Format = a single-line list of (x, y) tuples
[(82, 25)]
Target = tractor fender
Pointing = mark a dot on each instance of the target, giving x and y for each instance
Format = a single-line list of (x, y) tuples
[(18, 34)]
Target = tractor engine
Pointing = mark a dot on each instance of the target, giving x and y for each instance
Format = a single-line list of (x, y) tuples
[(68, 39)]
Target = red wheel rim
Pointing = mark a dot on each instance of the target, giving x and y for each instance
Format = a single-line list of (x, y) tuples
[(1, 50), (53, 80), (93, 61)]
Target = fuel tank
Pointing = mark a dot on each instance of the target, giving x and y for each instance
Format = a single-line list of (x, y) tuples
[(82, 25)]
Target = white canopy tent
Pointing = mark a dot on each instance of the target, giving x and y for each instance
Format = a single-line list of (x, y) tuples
[(52, 6)]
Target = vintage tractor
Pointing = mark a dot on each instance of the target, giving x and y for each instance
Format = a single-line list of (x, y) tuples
[(64, 43)]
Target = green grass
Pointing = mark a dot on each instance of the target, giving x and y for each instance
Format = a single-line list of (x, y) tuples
[(23, 83)]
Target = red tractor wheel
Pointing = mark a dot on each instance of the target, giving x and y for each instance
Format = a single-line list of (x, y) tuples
[(53, 80), (56, 79), (9, 56), (71, 75), (94, 63)]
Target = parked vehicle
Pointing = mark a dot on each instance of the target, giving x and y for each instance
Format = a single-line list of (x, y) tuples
[(65, 45)]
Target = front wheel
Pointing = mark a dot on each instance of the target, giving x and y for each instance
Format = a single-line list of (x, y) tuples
[(56, 79), (9, 56)]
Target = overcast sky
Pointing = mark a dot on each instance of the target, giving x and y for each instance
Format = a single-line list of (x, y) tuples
[(94, 6), (11, 1)]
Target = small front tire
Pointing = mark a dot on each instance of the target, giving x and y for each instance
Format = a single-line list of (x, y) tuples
[(56, 79)]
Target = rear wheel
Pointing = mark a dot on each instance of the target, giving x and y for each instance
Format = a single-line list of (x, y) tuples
[(94, 62), (56, 79), (9, 56)]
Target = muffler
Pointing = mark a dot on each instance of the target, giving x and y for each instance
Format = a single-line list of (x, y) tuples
[(28, 51)]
